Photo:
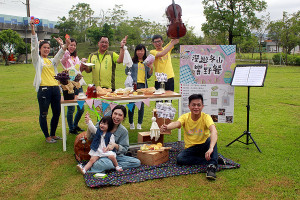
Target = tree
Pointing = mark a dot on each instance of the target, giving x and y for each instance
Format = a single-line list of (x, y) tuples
[(248, 44), (231, 17), (115, 24), (286, 32), (9, 42), (275, 32), (134, 34), (94, 33), (190, 38), (261, 29), (115, 16), (66, 26), (20, 51), (82, 15), (290, 36), (107, 31)]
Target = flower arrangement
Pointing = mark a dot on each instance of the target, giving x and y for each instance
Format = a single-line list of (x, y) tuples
[(66, 83)]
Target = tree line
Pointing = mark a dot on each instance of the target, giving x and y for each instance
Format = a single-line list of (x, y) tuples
[(114, 23), (227, 23)]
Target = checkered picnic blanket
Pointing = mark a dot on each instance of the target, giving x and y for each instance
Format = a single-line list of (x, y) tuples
[(163, 170)]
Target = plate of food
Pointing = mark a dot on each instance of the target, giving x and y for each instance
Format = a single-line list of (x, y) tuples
[(81, 96), (88, 64), (157, 92)]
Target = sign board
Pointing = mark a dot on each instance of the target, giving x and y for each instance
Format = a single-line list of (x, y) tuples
[(208, 70)]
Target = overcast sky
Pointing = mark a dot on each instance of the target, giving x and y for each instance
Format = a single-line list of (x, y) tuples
[(153, 10)]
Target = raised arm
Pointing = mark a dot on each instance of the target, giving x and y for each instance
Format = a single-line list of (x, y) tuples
[(61, 43), (61, 52), (91, 128), (32, 27), (122, 44), (34, 45), (167, 48)]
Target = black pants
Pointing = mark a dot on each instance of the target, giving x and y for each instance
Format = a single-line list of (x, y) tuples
[(169, 85), (49, 95)]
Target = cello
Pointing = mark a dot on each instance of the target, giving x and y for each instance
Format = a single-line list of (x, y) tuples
[(176, 29)]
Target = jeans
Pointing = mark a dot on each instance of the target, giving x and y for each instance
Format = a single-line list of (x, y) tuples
[(140, 112), (104, 163), (73, 124), (49, 95), (195, 155)]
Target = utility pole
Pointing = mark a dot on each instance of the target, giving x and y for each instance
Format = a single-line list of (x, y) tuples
[(28, 8)]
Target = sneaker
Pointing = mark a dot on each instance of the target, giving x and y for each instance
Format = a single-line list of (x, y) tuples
[(132, 126), (80, 169), (51, 141), (78, 129), (211, 172), (57, 138), (73, 132), (139, 126)]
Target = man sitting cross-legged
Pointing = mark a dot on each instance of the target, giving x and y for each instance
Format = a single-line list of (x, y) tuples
[(200, 137)]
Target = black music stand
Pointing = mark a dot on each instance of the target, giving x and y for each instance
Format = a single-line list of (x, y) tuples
[(249, 76)]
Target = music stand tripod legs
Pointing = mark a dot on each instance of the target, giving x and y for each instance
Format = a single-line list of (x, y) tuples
[(247, 132)]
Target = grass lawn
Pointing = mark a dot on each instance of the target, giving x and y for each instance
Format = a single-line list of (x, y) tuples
[(30, 168)]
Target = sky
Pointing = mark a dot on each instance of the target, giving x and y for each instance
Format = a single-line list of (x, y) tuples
[(153, 10)]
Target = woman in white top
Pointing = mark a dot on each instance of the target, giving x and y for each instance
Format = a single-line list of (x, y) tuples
[(48, 92)]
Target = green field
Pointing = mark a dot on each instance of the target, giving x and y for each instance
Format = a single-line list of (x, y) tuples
[(33, 169)]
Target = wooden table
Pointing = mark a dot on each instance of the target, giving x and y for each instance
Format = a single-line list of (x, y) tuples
[(169, 95)]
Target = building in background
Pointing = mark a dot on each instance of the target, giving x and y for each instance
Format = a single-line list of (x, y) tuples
[(273, 47), (44, 30)]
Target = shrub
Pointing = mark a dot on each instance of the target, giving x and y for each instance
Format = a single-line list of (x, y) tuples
[(291, 59), (276, 58), (297, 60)]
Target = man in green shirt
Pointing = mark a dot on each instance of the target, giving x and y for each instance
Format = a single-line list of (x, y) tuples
[(103, 71)]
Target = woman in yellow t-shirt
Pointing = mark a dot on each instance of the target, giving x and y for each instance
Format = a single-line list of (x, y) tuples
[(48, 92), (139, 73)]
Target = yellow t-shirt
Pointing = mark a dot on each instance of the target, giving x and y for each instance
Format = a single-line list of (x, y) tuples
[(195, 132), (163, 64), (48, 74), (141, 73)]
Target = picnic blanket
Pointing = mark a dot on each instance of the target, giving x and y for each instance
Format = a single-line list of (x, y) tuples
[(144, 172)]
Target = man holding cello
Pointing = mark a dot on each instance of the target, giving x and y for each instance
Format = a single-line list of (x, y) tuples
[(176, 29), (162, 61)]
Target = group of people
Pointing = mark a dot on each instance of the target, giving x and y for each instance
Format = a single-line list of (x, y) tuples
[(110, 137)]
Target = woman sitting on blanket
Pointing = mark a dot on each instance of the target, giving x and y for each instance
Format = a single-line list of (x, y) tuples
[(102, 138), (120, 146)]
